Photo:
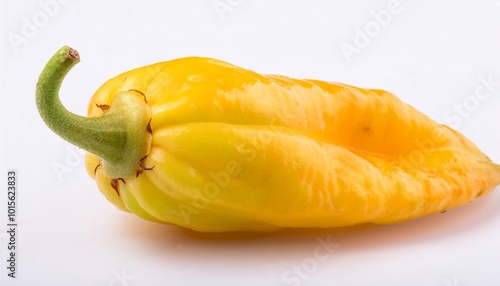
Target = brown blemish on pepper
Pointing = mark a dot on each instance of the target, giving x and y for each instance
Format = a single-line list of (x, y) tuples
[(139, 92), (95, 169), (103, 107), (114, 184), (148, 127), (142, 167)]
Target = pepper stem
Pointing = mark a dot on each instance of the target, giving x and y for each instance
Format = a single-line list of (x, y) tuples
[(119, 138)]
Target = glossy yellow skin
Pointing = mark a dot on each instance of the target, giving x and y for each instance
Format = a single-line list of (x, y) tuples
[(234, 150)]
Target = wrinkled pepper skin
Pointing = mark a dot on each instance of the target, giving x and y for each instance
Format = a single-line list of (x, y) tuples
[(234, 150)]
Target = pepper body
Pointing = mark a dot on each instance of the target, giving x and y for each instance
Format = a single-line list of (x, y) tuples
[(233, 150)]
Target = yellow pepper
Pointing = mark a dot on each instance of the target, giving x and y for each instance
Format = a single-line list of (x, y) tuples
[(209, 146)]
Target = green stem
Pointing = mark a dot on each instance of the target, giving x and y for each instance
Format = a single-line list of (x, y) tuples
[(119, 137)]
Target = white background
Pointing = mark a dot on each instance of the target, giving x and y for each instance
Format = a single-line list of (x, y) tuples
[(432, 54)]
